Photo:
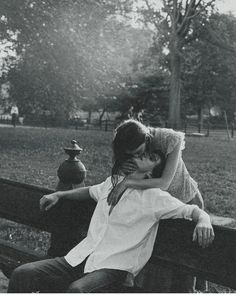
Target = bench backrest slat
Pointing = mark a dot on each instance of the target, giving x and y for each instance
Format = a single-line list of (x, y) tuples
[(20, 203), (216, 263)]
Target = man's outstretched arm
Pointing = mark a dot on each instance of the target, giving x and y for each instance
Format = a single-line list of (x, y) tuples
[(78, 194)]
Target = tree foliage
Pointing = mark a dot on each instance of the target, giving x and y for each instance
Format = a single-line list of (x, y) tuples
[(70, 54), (210, 64), (68, 51), (174, 27)]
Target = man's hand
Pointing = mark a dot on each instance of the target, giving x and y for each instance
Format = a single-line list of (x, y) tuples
[(48, 201), (203, 233)]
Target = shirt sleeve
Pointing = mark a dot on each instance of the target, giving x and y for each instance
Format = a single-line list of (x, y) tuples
[(167, 139), (185, 211), (169, 207), (100, 190)]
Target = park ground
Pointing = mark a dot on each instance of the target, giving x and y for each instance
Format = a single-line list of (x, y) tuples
[(33, 155)]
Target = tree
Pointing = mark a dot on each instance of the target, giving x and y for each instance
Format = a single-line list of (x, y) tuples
[(147, 87), (68, 51), (209, 72), (174, 28)]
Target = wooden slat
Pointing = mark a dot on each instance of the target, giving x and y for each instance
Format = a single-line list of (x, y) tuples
[(216, 263), (29, 187), (17, 253), (20, 203), (12, 255)]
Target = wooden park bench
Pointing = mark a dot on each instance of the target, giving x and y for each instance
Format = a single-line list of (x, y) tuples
[(68, 223)]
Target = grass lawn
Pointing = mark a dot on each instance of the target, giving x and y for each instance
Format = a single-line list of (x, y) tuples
[(33, 155)]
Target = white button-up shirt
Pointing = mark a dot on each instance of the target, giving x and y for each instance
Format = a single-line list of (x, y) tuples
[(124, 239)]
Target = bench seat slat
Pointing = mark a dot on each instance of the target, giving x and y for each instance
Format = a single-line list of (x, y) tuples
[(12, 255)]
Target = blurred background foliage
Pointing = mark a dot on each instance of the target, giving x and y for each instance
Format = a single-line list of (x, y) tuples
[(171, 60)]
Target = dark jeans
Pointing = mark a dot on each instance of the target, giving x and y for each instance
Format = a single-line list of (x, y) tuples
[(57, 276)]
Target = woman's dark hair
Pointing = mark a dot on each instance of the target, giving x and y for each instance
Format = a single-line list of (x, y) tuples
[(129, 135)]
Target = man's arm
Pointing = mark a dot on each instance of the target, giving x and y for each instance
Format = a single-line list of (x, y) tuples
[(78, 194), (167, 207), (203, 232)]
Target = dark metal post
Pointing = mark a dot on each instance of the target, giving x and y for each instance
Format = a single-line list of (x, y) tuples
[(71, 174), (72, 171)]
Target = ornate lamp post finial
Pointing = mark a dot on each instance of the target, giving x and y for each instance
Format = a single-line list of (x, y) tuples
[(71, 172)]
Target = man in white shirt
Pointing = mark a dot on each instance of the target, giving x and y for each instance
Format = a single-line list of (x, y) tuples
[(117, 246)]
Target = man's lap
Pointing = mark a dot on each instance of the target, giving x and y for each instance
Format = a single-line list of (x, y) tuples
[(58, 275)]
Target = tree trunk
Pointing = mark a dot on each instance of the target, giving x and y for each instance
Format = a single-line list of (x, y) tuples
[(175, 85), (200, 118), (89, 116)]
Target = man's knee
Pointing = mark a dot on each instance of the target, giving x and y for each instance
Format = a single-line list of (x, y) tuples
[(80, 287), (77, 287), (24, 271), (21, 279)]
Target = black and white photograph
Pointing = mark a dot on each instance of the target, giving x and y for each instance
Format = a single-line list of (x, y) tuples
[(118, 146)]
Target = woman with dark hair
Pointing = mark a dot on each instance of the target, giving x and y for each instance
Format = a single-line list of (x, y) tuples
[(152, 158), (134, 144)]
